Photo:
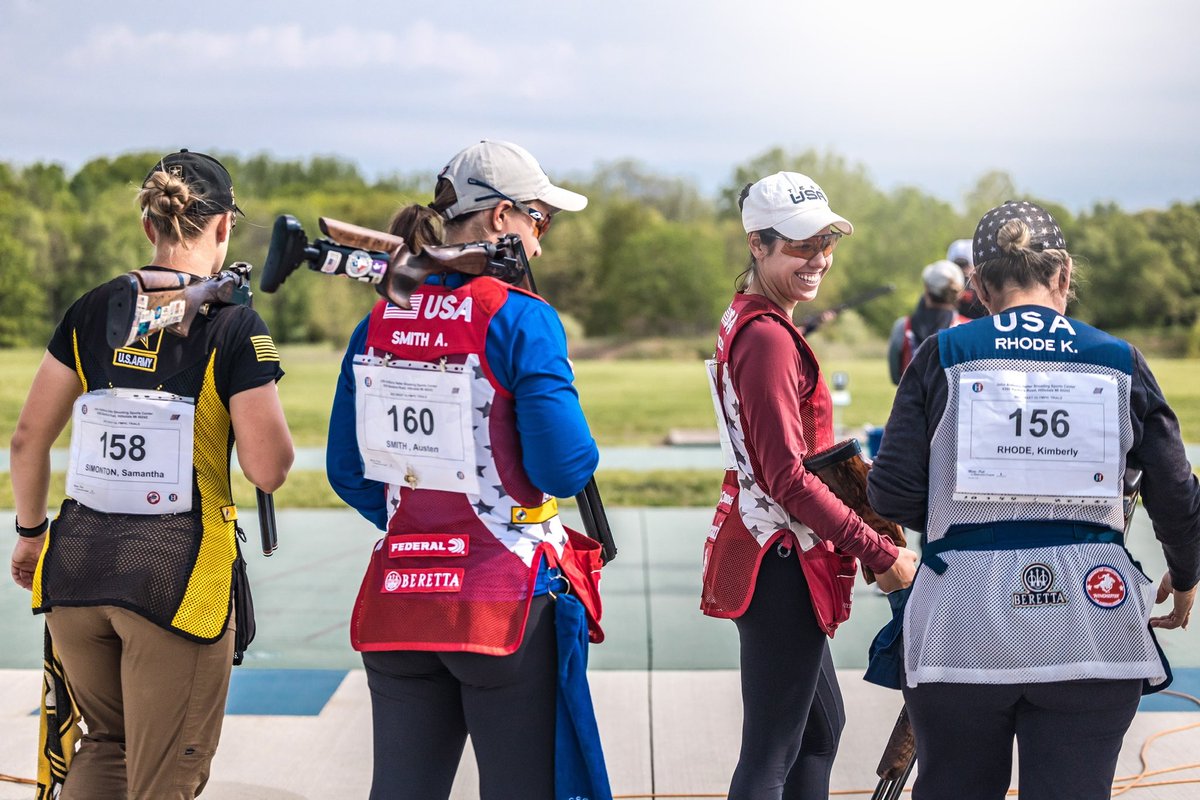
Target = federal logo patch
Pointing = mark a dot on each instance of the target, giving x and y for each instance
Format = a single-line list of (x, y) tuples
[(445, 545), (1105, 587), (1039, 588)]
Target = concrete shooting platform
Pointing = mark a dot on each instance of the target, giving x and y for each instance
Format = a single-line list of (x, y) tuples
[(665, 681)]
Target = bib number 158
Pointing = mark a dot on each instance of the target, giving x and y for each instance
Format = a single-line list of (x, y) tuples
[(113, 446)]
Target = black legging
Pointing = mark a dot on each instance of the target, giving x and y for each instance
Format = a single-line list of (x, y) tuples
[(1068, 734), (424, 704), (792, 706)]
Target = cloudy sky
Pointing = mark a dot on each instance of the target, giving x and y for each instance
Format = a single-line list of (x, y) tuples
[(1079, 101)]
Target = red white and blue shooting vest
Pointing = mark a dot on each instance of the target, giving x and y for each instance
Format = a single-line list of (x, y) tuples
[(748, 521), (457, 568)]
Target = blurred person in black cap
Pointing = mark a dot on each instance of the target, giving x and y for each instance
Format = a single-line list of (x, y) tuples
[(136, 573), (936, 309), (968, 302), (1007, 446)]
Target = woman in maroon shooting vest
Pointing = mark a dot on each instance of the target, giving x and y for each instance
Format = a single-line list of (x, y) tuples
[(780, 560)]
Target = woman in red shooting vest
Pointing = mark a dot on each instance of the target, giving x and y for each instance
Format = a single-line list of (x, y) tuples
[(454, 427), (780, 560)]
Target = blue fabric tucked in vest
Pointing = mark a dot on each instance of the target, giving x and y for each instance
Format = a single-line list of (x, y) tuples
[(885, 659), (579, 770)]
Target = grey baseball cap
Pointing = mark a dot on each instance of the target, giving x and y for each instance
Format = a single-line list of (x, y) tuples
[(486, 173)]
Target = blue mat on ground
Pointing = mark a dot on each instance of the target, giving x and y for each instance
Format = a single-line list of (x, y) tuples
[(1187, 680), (282, 692)]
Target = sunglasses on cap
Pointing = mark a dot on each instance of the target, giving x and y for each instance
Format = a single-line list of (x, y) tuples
[(541, 219), (809, 248)]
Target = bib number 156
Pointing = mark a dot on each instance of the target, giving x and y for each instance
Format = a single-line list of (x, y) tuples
[(1042, 421)]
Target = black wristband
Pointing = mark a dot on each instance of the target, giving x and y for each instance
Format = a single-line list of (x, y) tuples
[(35, 531)]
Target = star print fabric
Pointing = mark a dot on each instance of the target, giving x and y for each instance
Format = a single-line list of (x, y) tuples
[(1044, 231)]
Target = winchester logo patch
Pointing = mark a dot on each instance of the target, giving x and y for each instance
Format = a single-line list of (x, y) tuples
[(408, 581), (1039, 588), (449, 545), (1105, 587)]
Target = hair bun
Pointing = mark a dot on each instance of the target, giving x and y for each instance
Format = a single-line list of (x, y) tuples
[(1013, 236)]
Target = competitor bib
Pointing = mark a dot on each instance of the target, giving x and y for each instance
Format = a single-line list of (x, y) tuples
[(414, 424), (131, 451), (722, 427), (1040, 436)]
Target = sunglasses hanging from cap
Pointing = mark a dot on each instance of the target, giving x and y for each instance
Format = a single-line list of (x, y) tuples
[(541, 219)]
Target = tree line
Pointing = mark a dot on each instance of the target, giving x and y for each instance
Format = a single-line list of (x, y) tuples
[(652, 255)]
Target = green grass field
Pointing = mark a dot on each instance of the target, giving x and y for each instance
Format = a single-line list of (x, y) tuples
[(627, 402)]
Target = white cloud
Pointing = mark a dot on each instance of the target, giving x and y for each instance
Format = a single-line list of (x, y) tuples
[(422, 47)]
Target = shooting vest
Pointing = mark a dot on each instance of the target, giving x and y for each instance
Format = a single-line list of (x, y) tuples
[(910, 340), (748, 521), (174, 569), (1024, 576), (466, 531)]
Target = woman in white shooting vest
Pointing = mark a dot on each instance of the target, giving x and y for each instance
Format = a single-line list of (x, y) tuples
[(1007, 446)]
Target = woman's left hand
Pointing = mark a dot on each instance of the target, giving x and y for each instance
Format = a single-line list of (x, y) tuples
[(1181, 607), (25, 558)]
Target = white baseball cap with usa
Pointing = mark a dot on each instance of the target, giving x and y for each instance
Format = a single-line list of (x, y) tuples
[(793, 205)]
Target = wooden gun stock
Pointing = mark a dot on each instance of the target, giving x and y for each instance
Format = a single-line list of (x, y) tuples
[(148, 300), (407, 270), (897, 761), (843, 469), (360, 237)]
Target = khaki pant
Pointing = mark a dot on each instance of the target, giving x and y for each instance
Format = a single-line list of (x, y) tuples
[(153, 703)]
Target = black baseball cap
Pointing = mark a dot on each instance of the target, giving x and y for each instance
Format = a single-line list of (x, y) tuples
[(204, 175)]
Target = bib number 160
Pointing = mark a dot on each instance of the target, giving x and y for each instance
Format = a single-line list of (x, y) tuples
[(411, 419), (114, 448), (1039, 425)]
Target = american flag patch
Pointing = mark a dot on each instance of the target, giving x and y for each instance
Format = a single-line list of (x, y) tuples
[(391, 311), (264, 348)]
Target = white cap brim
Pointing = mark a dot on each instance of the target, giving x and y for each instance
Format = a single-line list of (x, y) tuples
[(562, 199), (811, 222)]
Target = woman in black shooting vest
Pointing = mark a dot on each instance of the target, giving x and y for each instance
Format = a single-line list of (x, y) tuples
[(135, 574)]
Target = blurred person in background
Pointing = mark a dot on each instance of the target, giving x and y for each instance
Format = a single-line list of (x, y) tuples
[(936, 309), (968, 303)]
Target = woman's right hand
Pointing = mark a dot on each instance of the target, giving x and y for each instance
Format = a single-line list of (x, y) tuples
[(900, 574)]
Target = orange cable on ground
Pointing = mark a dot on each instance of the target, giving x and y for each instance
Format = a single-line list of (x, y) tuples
[(1120, 784)]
